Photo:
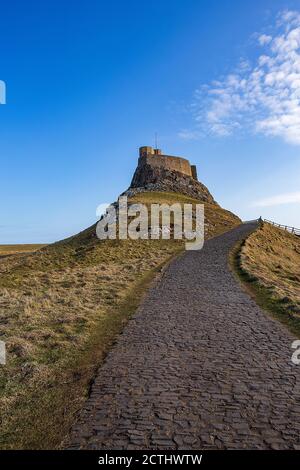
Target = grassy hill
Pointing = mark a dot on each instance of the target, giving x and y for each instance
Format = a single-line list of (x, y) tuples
[(6, 250), (61, 309), (270, 263)]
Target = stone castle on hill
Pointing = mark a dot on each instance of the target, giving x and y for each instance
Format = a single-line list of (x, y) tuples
[(159, 172), (155, 158)]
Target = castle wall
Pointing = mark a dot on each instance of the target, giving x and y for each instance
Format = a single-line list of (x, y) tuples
[(158, 172), (169, 163)]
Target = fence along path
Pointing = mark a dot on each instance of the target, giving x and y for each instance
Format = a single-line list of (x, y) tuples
[(294, 230)]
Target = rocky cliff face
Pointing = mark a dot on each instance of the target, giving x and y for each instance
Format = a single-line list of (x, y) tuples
[(149, 178)]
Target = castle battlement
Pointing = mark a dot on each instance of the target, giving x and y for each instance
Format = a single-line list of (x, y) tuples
[(143, 151)]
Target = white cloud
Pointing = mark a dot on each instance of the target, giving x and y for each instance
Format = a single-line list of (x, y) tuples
[(186, 134), (287, 198), (264, 39), (263, 98)]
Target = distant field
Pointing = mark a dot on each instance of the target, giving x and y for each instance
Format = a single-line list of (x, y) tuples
[(13, 249)]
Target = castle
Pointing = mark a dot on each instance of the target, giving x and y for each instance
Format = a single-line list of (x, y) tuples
[(159, 172), (155, 158)]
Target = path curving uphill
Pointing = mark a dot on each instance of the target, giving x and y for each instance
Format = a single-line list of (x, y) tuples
[(199, 366)]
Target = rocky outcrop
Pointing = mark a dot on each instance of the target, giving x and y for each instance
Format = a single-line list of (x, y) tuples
[(152, 178)]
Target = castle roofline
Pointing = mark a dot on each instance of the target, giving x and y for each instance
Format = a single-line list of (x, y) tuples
[(147, 150)]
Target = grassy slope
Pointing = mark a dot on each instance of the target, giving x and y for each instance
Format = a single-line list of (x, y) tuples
[(14, 249), (269, 263), (61, 308)]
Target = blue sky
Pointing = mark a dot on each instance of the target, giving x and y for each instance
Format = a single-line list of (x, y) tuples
[(89, 83)]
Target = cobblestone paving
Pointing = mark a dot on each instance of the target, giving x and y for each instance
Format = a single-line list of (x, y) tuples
[(199, 366)]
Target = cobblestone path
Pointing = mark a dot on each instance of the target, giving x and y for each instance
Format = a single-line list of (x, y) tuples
[(199, 366)]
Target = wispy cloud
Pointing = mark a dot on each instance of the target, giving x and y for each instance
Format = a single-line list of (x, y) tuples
[(263, 98), (287, 198), (189, 134)]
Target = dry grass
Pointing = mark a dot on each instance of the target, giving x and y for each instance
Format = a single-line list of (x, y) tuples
[(6, 250), (61, 308), (270, 260)]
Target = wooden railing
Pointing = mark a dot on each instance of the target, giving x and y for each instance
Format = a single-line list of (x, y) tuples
[(294, 230)]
